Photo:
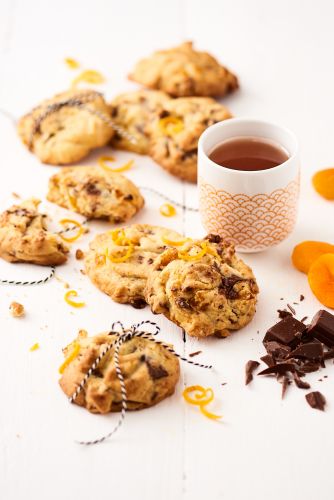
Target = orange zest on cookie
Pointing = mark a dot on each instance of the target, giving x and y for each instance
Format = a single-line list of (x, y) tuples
[(323, 183), (173, 243), (171, 125), (187, 256), (88, 76), (70, 302), (122, 258), (201, 397), (75, 223), (118, 237), (102, 163), (73, 354), (71, 63), (167, 210)]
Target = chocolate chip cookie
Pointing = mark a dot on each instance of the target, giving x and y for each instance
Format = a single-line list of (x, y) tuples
[(95, 193), (66, 128), (25, 238), (150, 373), (119, 262), (133, 112), (204, 288), (175, 133), (183, 71)]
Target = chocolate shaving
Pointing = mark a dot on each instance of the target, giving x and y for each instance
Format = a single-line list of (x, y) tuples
[(285, 385), (192, 354), (268, 360), (316, 400), (299, 382), (312, 351), (291, 309), (249, 368), (304, 319), (279, 369)]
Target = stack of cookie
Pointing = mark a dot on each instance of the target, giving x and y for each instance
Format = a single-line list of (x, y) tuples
[(164, 122)]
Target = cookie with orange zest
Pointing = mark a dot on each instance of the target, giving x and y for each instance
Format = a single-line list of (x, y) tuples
[(203, 287), (119, 261), (24, 236), (175, 133), (133, 112), (95, 193)]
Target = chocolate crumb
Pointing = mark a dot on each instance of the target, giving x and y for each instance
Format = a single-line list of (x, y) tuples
[(268, 360), (223, 383), (249, 368), (316, 400), (304, 319), (192, 354), (79, 255), (301, 384), (301, 298), (283, 313), (291, 309), (138, 303)]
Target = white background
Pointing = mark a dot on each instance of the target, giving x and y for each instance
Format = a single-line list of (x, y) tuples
[(264, 448)]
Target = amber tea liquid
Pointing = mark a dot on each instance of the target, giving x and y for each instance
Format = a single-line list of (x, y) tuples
[(249, 153)]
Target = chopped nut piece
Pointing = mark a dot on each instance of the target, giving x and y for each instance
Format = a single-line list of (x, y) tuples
[(79, 254), (16, 309)]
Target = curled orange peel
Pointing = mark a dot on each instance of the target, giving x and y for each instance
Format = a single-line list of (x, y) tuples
[(191, 257), (202, 397), (75, 223), (73, 354), (167, 210), (70, 302), (171, 125), (102, 161)]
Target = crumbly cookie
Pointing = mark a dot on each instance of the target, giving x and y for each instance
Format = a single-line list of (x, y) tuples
[(150, 373), (209, 295), (95, 193), (183, 71), (24, 237), (175, 133), (133, 112), (125, 281), (68, 133)]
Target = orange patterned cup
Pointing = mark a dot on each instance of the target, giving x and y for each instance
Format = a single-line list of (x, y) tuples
[(253, 209)]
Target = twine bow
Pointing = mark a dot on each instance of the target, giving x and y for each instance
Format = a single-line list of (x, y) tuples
[(122, 337)]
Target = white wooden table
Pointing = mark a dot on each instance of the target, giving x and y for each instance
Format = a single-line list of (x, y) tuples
[(264, 448)]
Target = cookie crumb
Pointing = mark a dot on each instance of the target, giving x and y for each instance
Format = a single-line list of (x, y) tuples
[(15, 195), (16, 310), (79, 255), (192, 354)]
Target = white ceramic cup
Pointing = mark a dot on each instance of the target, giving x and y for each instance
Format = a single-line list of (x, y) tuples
[(253, 209)]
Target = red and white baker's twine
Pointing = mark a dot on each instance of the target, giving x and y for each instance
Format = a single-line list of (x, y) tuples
[(122, 337)]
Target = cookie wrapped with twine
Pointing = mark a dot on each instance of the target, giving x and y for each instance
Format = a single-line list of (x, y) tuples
[(124, 369)]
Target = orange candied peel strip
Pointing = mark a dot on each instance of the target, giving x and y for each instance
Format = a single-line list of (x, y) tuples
[(102, 163), (88, 76), (196, 256), (174, 243), (73, 354), (306, 252), (72, 200), (118, 237), (34, 347), (167, 210), (75, 223), (321, 279), (71, 63), (171, 125), (202, 397), (122, 258), (323, 183), (70, 302)]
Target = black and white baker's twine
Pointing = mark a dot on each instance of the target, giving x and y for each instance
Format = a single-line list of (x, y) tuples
[(29, 283), (166, 198), (122, 337)]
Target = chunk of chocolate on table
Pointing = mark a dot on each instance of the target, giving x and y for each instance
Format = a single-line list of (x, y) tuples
[(249, 368), (312, 350), (316, 400), (322, 328), (288, 332)]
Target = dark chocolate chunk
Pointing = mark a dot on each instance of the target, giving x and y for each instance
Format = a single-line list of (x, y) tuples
[(279, 369), (226, 286), (288, 331), (283, 313), (192, 354), (268, 360), (150, 261), (138, 303), (322, 327), (299, 382), (183, 303), (310, 366), (316, 400), (329, 354), (128, 197), (249, 368), (213, 238), (92, 189), (311, 351), (156, 372), (278, 351)]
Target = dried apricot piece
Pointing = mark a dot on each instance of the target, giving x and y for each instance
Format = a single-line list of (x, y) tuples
[(323, 183), (321, 279), (307, 252)]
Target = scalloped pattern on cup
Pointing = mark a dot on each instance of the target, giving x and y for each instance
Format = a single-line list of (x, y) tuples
[(250, 222)]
